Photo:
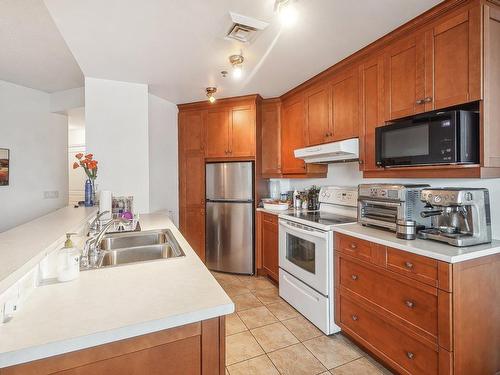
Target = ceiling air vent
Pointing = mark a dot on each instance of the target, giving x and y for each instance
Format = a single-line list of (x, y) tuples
[(244, 29)]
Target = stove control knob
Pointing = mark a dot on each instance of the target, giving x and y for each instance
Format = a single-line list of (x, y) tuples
[(468, 196), (437, 199), (323, 194)]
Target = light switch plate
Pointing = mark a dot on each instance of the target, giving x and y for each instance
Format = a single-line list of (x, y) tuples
[(51, 194)]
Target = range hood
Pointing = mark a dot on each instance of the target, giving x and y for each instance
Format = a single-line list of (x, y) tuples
[(334, 152)]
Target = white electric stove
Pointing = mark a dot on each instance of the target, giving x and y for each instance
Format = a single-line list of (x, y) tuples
[(306, 254)]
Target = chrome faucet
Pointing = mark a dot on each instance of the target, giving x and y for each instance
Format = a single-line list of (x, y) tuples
[(95, 225), (92, 251)]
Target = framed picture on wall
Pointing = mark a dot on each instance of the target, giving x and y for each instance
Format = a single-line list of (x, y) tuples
[(4, 167)]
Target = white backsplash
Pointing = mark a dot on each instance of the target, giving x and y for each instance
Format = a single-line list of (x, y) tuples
[(348, 174)]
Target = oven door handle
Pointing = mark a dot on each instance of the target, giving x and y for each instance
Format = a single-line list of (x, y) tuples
[(314, 233), (379, 203)]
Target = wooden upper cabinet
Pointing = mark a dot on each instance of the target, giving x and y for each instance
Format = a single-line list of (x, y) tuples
[(453, 60), (317, 115), (371, 108), (292, 135), (271, 138), (217, 132), (242, 131), (344, 106), (192, 130), (405, 78)]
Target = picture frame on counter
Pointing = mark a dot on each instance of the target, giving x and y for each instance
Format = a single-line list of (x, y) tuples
[(4, 166)]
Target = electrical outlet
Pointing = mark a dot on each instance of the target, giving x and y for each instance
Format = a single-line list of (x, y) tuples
[(51, 194)]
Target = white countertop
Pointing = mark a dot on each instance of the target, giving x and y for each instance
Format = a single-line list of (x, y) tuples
[(22, 247), (112, 304), (428, 248), (278, 212)]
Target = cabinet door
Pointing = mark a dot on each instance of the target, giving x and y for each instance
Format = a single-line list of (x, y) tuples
[(194, 230), (217, 138), (192, 130), (292, 136), (453, 61), (194, 180), (404, 78), (345, 106), (271, 138), (371, 78), (270, 246), (242, 131), (317, 115)]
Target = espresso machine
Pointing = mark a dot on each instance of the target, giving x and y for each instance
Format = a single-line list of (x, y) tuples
[(459, 216)]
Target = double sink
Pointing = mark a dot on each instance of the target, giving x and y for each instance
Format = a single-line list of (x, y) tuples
[(132, 247)]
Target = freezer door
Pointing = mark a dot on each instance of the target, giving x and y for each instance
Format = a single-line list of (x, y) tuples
[(229, 181), (229, 237)]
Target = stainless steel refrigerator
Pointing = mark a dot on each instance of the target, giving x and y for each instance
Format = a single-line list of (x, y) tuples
[(230, 218)]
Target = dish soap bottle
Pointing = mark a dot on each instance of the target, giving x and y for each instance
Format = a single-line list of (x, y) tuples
[(68, 261)]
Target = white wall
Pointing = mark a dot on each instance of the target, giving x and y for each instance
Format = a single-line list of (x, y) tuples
[(116, 132), (38, 141), (348, 175), (163, 165)]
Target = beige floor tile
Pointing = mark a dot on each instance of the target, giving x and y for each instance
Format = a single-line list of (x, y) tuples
[(246, 301), (256, 283), (362, 366), (227, 372), (332, 351), (234, 290), (256, 366), (226, 278), (273, 337), (302, 328), (296, 360), (234, 324), (267, 296), (257, 317), (241, 347), (282, 310)]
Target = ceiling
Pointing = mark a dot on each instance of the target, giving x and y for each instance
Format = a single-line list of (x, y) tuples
[(33, 53), (178, 46)]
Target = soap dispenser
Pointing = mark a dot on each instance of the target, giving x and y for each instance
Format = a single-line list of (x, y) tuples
[(68, 261)]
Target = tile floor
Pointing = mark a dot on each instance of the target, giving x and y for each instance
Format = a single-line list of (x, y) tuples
[(266, 336)]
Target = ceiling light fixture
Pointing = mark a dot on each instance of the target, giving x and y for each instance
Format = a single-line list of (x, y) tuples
[(237, 63), (210, 91), (287, 12)]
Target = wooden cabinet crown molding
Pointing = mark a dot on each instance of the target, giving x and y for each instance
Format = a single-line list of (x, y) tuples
[(223, 102)]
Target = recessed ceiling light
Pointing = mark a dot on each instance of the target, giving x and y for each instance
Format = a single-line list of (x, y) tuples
[(210, 92), (237, 63), (287, 12)]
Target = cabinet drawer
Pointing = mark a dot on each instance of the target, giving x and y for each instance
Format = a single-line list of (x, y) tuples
[(415, 266), (412, 304), (355, 247), (411, 354), (270, 218)]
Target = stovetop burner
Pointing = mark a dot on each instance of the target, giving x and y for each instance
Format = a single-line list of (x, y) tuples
[(323, 218)]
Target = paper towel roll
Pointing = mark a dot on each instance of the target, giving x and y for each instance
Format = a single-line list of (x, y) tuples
[(105, 204)]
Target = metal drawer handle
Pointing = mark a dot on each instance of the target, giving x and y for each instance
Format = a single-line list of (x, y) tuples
[(409, 265), (354, 277), (354, 246), (410, 355), (410, 304), (355, 317)]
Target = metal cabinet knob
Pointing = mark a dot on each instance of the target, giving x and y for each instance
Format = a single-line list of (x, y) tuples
[(354, 277), (410, 355), (409, 265), (428, 99), (410, 304), (353, 246), (355, 317), (420, 101)]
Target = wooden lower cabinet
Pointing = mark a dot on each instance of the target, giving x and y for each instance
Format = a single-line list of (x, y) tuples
[(270, 251), (197, 348), (416, 314)]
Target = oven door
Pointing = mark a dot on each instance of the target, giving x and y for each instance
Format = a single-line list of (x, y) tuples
[(304, 252)]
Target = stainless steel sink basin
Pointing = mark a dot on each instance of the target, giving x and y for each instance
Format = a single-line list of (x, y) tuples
[(125, 248), (133, 239), (138, 254)]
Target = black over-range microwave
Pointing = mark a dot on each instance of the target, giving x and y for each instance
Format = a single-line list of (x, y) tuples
[(450, 137)]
